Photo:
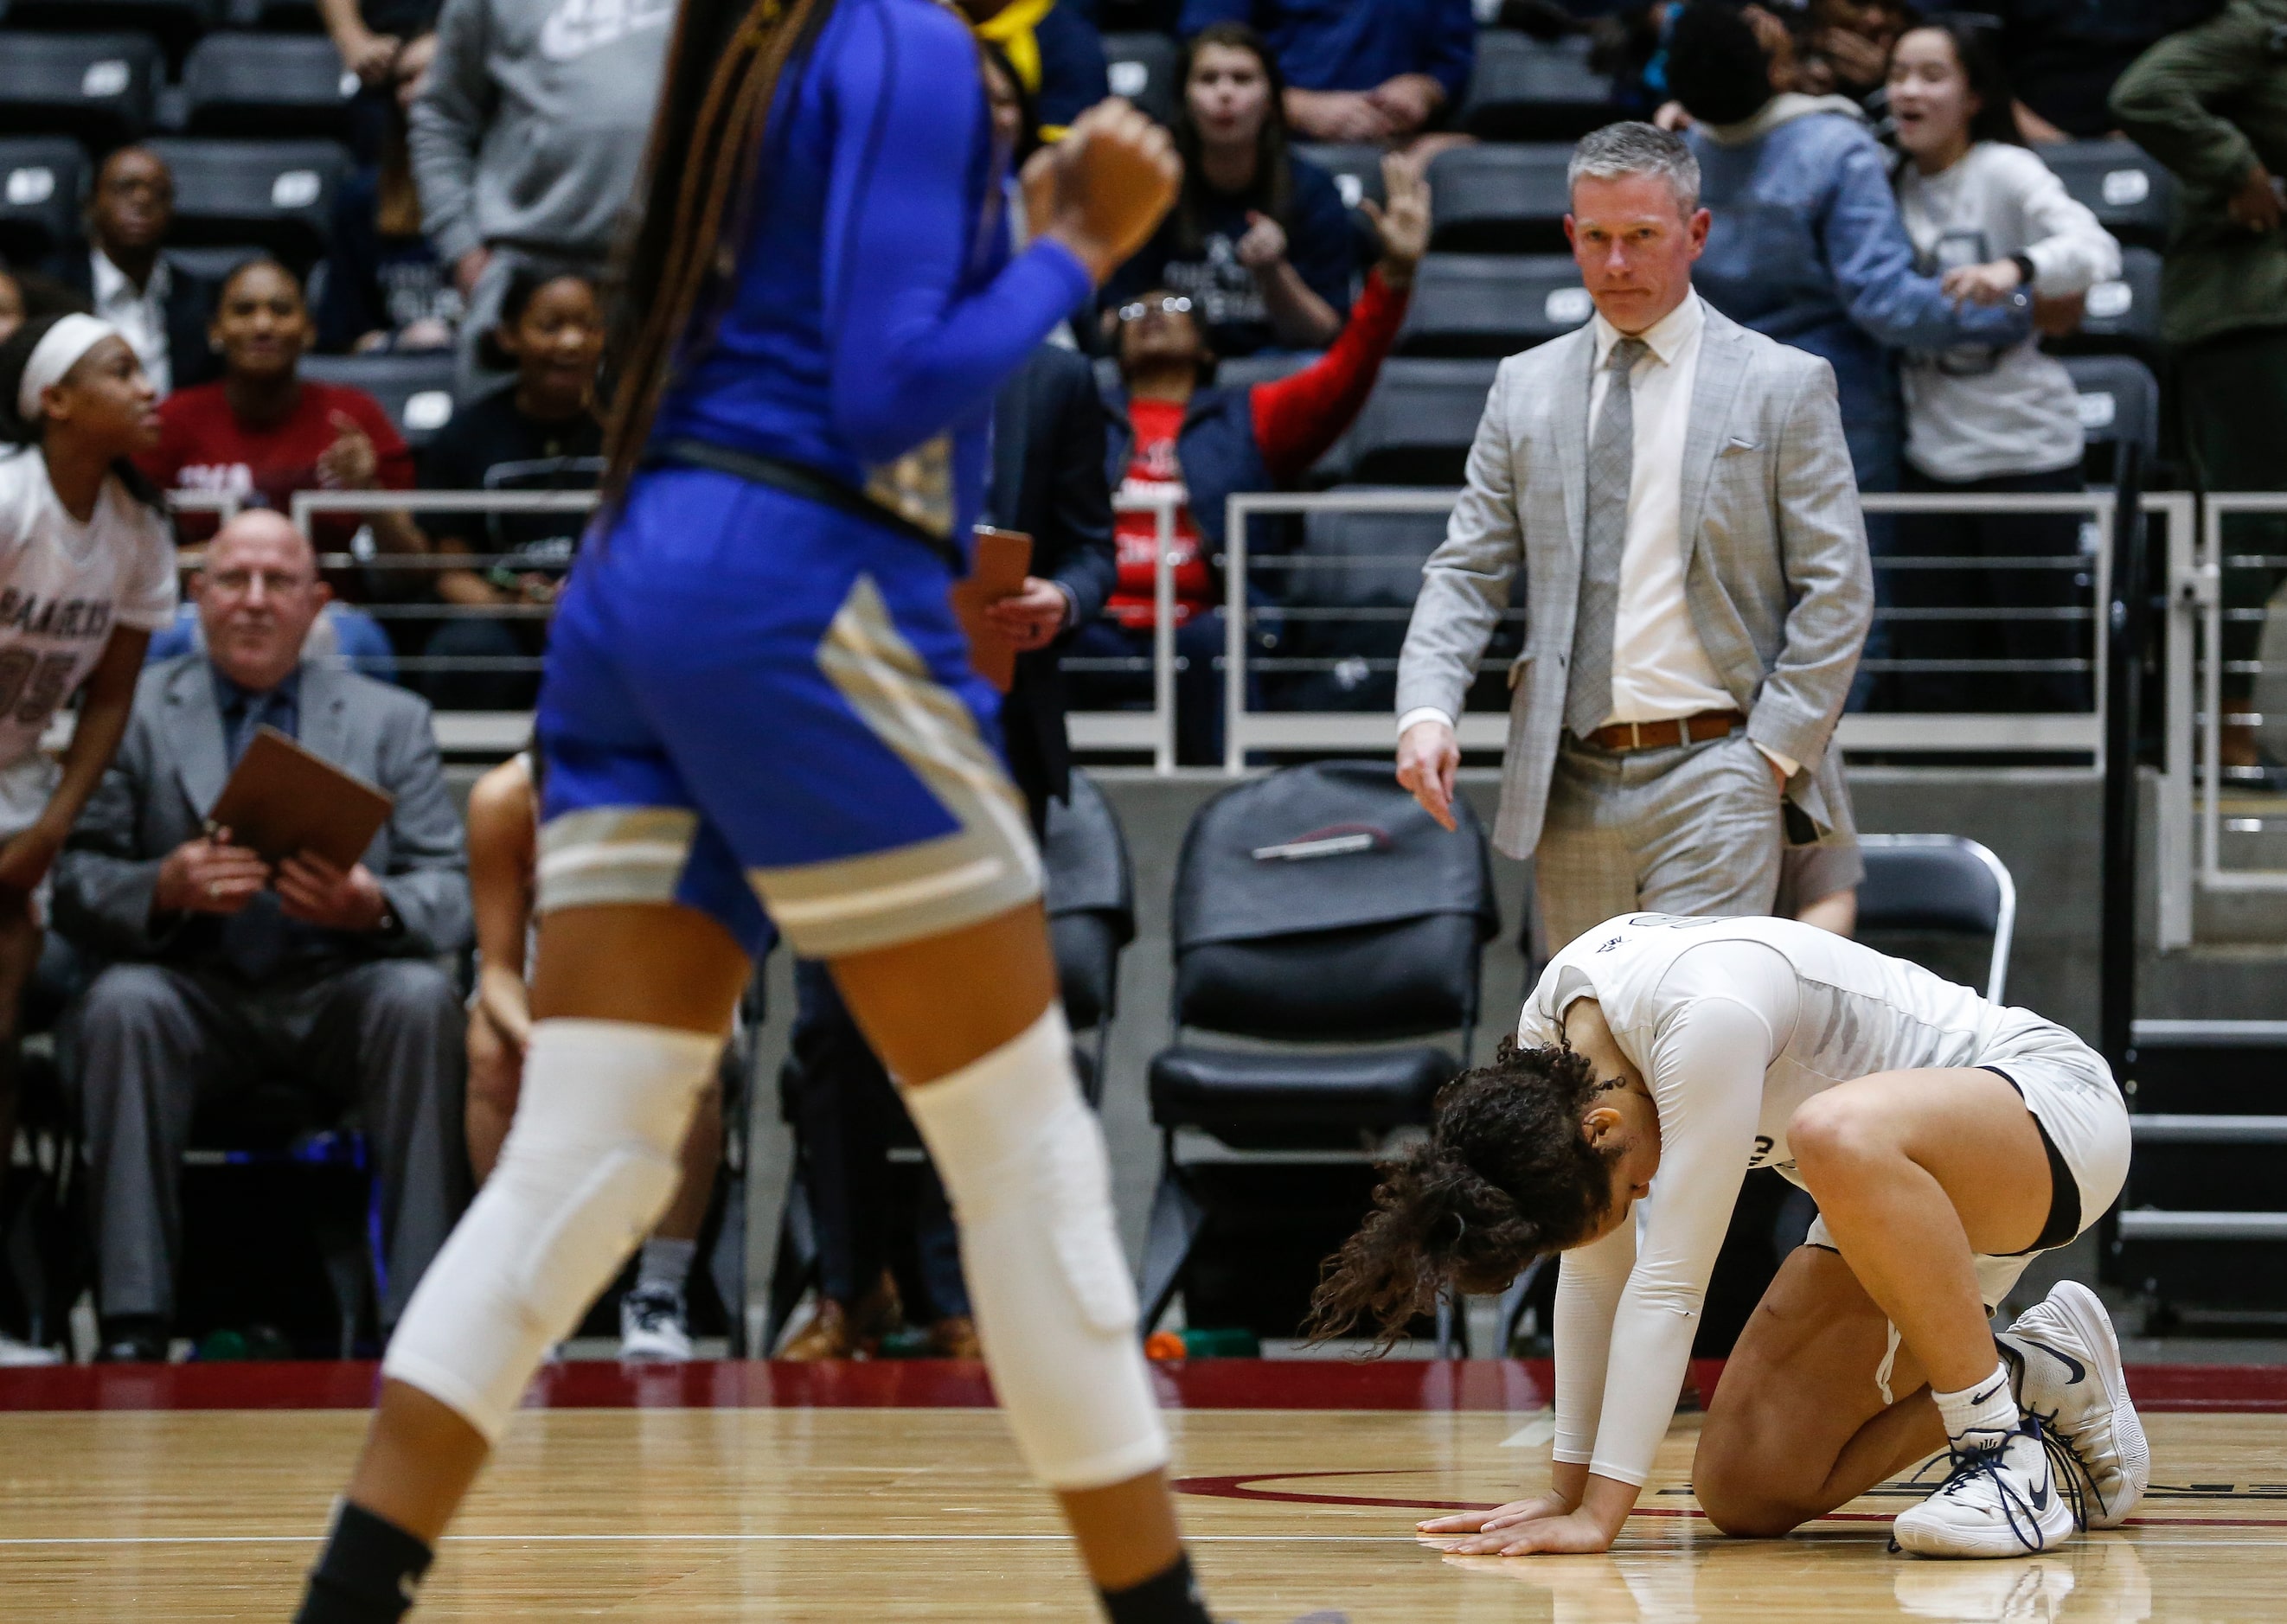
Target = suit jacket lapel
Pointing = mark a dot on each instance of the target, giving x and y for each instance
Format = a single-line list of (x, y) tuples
[(201, 758), (325, 714), (1723, 368), (1012, 424), (1571, 427)]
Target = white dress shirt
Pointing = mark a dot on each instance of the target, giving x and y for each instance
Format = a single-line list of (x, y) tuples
[(1660, 669), (141, 317)]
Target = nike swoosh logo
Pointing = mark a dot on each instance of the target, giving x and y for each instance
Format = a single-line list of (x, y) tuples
[(2079, 1371), (2041, 1499), (1980, 1398)]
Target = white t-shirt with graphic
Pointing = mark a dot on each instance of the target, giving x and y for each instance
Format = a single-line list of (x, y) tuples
[(64, 586)]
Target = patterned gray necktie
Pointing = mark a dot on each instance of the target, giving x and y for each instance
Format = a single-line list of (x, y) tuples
[(1612, 472)]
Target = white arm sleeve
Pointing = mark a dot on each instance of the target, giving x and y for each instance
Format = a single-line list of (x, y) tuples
[(1589, 1281), (2070, 251), (1728, 1008)]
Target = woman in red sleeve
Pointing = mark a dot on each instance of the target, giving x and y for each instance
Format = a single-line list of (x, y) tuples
[(1166, 431)]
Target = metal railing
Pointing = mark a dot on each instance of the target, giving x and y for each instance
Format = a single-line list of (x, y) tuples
[(2079, 732)]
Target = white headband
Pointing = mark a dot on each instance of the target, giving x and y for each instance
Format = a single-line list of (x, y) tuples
[(72, 337)]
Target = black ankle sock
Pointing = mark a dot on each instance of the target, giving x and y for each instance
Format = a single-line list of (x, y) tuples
[(1168, 1598), (368, 1575)]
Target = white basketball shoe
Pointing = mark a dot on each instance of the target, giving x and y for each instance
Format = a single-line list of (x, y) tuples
[(2068, 1365), (2001, 1501)]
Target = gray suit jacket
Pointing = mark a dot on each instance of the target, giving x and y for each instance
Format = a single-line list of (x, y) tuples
[(1775, 572), (171, 767)]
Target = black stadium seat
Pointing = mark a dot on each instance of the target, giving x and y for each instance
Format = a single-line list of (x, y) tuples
[(276, 195), (1523, 89), (1491, 304), (101, 89), (1355, 167), (1418, 423), (175, 24), (1499, 200), (278, 15), (415, 389), (2121, 317), (1349, 593), (266, 85), (1142, 68), (42, 180), (2126, 187), (1318, 910), (2120, 405)]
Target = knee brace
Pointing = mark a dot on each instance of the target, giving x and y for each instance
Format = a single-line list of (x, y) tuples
[(589, 1165), (1023, 1162)]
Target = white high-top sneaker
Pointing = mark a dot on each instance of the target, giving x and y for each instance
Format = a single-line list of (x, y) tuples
[(2067, 1364), (2003, 1501)]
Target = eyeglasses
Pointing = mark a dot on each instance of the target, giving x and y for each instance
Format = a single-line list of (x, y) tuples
[(1174, 305), (275, 583)]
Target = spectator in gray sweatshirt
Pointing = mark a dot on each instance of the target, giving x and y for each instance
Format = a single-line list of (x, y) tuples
[(527, 142)]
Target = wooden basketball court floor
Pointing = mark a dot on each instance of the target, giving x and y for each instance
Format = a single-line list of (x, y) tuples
[(889, 1492)]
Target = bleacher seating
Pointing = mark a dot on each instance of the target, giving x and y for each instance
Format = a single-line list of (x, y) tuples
[(1374, 937), (282, 16), (1499, 200), (267, 84), (1491, 304), (101, 89), (278, 195), (2120, 405), (1365, 570), (2125, 185), (1418, 423), (1245, 371), (1142, 68), (2120, 316), (42, 179), (1524, 89), (174, 24), (415, 389), (1355, 167)]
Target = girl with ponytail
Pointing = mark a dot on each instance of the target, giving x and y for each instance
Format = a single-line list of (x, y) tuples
[(87, 572), (759, 713)]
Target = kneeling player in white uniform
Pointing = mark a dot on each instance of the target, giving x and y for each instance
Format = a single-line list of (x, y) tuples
[(1947, 1140)]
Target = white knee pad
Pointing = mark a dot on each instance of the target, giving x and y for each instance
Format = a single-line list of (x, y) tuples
[(589, 1165), (1023, 1162)]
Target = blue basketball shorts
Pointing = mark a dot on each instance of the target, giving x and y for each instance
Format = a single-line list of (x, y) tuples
[(764, 709)]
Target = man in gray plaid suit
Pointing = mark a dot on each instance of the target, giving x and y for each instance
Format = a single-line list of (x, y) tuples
[(1673, 496)]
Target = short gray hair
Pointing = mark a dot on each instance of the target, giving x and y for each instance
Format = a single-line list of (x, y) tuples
[(1633, 149)]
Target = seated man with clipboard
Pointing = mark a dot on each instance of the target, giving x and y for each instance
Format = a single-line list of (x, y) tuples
[(268, 871)]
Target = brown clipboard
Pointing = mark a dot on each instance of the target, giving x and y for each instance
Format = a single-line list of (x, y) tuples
[(997, 570), (281, 800)]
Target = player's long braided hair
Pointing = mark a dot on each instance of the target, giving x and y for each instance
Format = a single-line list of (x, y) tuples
[(723, 70), (1504, 1177)]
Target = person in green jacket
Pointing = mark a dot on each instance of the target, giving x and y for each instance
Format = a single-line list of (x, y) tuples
[(2211, 103)]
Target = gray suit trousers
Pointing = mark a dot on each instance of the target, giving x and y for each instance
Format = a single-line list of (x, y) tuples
[(150, 1041), (1691, 828)]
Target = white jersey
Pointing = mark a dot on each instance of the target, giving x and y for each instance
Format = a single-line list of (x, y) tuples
[(1734, 1023), (63, 586)]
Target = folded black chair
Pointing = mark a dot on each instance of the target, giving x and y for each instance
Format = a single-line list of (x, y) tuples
[(1417, 426), (1317, 911), (267, 85), (42, 179), (101, 89), (1501, 199), (274, 195), (1142, 68), (416, 389), (1523, 88), (2131, 194), (1493, 305), (1942, 886), (2120, 405), (1348, 595), (175, 24)]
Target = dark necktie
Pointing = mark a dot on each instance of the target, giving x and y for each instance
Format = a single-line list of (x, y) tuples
[(253, 941)]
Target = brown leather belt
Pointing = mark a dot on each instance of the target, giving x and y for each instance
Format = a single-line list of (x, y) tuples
[(1621, 737)]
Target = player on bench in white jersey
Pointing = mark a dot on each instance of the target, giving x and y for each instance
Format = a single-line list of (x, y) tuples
[(1947, 1139)]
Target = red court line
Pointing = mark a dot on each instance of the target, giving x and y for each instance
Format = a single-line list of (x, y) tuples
[(1505, 1385)]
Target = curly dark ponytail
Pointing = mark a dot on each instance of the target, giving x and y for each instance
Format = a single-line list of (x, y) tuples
[(1504, 1177)]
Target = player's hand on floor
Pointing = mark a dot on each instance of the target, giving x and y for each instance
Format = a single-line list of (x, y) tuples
[(1500, 1517), (1574, 1534)]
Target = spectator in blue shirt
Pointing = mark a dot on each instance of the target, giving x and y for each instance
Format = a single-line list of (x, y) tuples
[(1260, 241), (1370, 70)]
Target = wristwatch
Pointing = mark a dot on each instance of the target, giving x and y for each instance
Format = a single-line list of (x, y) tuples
[(2026, 269)]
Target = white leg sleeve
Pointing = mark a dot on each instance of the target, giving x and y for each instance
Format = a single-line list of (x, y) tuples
[(589, 1165), (1023, 1162)]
